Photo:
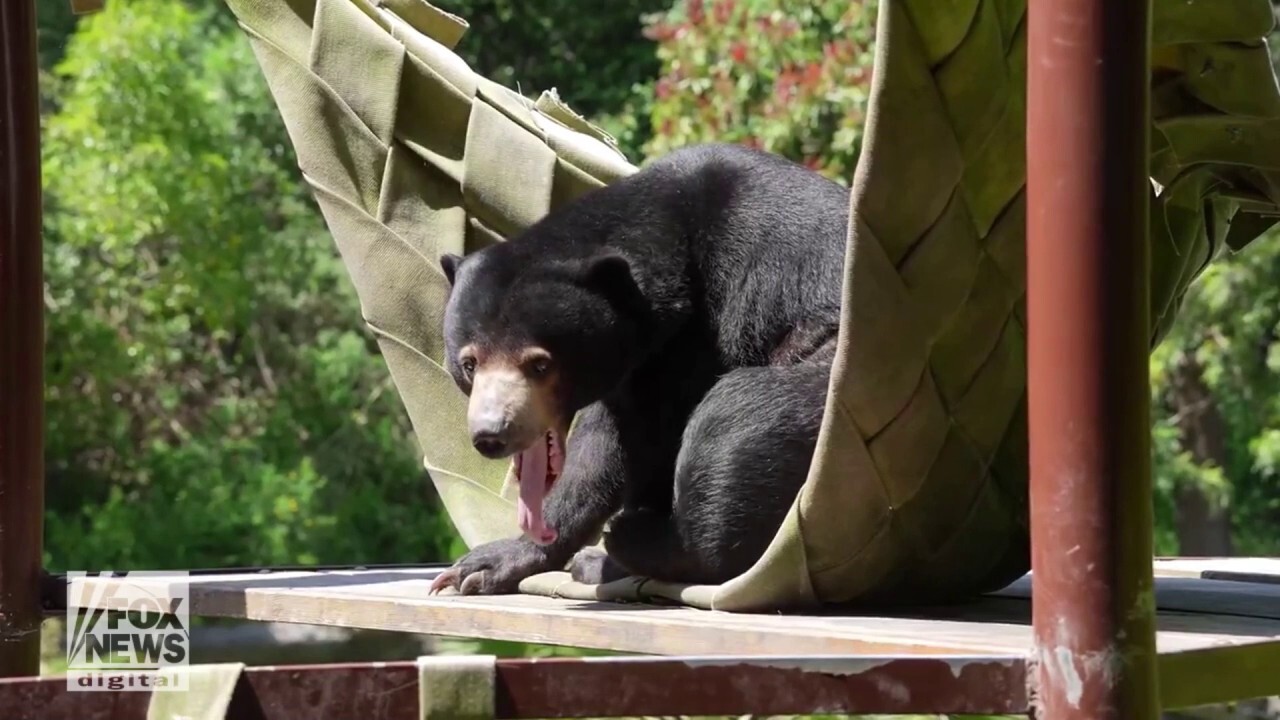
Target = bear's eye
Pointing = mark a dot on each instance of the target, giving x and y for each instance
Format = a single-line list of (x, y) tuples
[(468, 367), (540, 366)]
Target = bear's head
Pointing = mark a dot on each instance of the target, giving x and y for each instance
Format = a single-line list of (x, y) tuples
[(531, 341)]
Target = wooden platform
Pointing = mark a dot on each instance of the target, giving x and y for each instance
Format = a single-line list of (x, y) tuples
[(1195, 613), (1219, 640)]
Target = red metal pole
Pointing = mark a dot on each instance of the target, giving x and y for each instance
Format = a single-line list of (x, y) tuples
[(21, 345), (1087, 303)]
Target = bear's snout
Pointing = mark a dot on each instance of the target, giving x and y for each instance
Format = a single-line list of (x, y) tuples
[(494, 434), (490, 445), (506, 413)]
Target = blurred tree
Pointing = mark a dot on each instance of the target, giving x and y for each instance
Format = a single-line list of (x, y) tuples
[(54, 24), (595, 57), (1216, 407), (211, 399), (594, 54), (1216, 413), (791, 78), (598, 60)]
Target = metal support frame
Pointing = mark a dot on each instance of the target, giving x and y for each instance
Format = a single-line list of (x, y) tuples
[(21, 345), (1088, 192), (665, 686), (595, 687)]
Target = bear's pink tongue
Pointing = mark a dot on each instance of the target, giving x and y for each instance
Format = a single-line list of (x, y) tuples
[(536, 469)]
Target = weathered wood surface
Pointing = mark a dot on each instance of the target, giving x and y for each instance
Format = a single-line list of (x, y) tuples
[(1197, 595), (1201, 614), (1243, 569)]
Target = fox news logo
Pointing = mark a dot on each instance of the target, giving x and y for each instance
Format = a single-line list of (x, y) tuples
[(132, 626)]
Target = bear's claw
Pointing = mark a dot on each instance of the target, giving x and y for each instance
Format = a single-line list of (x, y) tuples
[(495, 568)]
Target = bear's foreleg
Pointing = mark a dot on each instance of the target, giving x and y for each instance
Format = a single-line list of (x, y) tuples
[(577, 507)]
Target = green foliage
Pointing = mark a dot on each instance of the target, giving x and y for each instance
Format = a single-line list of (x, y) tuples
[(593, 54), (54, 24), (792, 79), (1229, 328), (211, 398)]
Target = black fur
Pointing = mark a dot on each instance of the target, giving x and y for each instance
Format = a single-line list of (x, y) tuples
[(692, 311)]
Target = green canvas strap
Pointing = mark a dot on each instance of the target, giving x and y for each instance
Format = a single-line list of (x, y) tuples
[(456, 687), (206, 697)]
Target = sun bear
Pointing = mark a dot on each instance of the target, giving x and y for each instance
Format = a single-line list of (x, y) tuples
[(686, 315)]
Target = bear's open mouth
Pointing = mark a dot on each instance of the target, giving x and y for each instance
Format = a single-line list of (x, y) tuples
[(536, 470)]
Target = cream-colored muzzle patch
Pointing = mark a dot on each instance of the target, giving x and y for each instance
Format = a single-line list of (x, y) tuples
[(506, 405)]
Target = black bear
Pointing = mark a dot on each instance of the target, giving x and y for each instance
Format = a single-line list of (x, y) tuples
[(687, 315)]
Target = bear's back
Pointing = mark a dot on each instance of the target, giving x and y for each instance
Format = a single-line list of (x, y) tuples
[(752, 242), (767, 238)]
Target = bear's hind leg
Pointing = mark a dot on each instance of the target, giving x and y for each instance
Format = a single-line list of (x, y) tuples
[(641, 542), (746, 453)]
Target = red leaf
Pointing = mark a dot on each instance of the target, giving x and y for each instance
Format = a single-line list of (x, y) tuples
[(723, 10), (697, 13), (785, 85), (812, 74)]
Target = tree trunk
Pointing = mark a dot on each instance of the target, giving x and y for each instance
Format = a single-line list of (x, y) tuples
[(1203, 526)]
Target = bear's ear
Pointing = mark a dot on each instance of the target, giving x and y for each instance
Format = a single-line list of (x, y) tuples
[(611, 274), (609, 270), (449, 264)]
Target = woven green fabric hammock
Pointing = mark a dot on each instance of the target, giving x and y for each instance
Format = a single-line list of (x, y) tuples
[(919, 489)]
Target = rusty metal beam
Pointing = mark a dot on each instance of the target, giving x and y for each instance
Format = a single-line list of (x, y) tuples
[(631, 686), (857, 685), (21, 344), (593, 687), (1087, 303)]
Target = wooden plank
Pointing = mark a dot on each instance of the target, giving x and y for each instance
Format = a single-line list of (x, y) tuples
[(389, 599), (1197, 595), (1240, 569), (398, 600)]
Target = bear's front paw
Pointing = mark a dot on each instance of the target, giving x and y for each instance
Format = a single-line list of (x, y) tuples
[(495, 568), (593, 566)]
